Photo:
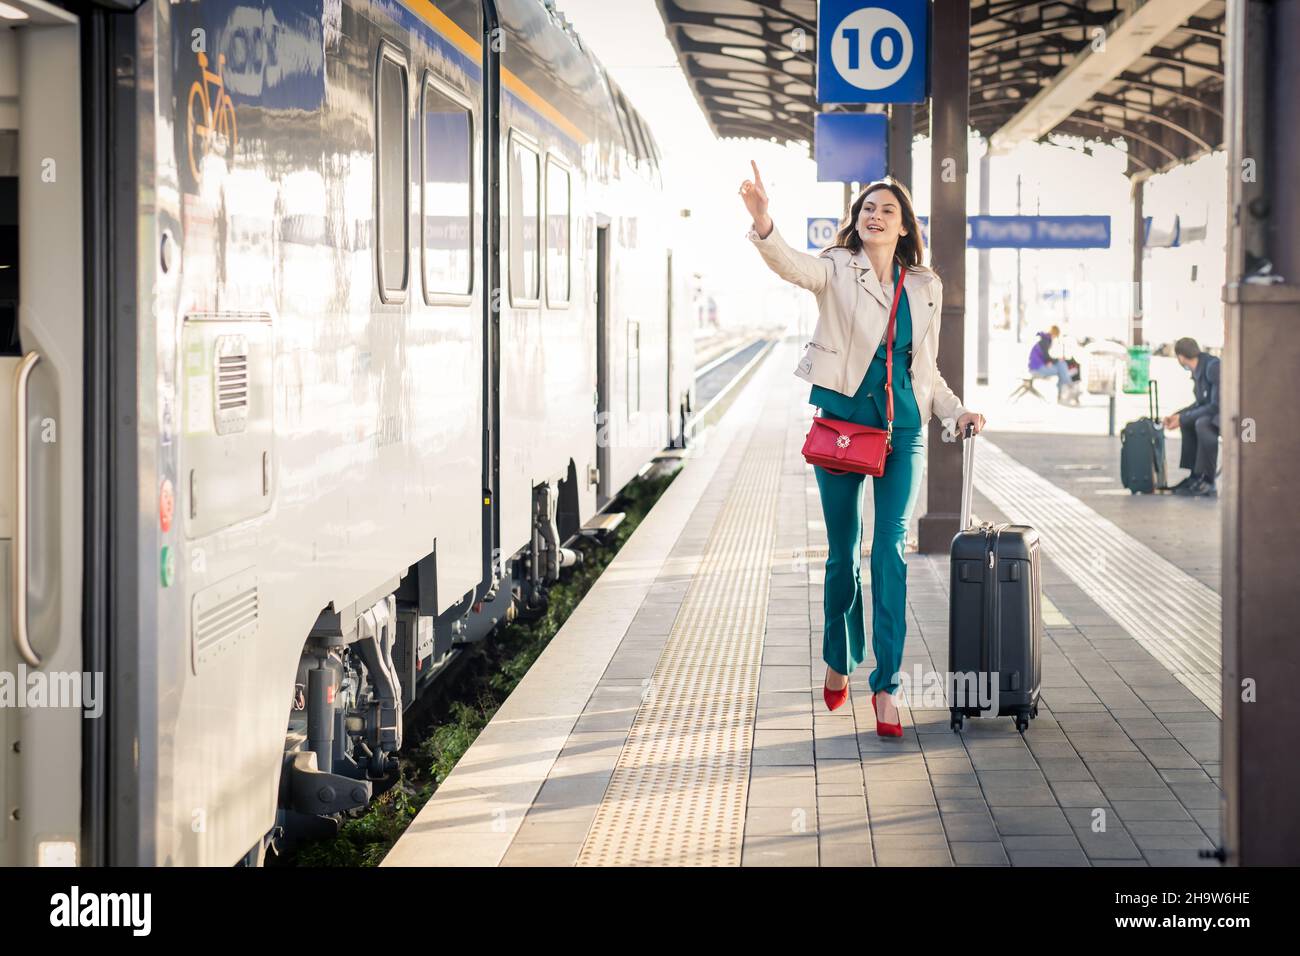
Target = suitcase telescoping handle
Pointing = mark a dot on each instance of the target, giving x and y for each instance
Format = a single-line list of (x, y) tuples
[(1153, 399), (967, 470)]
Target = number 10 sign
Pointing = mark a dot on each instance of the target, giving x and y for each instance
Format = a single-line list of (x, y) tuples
[(872, 54)]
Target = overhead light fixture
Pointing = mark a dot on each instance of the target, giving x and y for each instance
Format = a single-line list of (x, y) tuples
[(11, 13)]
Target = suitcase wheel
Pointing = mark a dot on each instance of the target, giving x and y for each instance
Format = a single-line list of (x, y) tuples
[(1034, 712), (1022, 721), (955, 721)]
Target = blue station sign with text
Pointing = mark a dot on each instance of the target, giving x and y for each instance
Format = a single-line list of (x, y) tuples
[(1032, 232), (1039, 232)]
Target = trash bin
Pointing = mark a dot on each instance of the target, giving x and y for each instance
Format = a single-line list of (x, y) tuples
[(1139, 368)]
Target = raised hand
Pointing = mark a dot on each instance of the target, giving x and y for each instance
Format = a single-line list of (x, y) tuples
[(755, 198)]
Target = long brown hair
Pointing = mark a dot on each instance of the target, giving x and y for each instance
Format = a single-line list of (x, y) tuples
[(910, 248)]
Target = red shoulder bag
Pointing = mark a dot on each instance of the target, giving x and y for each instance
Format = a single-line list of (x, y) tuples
[(841, 447)]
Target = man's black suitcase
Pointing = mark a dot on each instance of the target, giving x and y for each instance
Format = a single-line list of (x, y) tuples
[(995, 616), (1142, 449)]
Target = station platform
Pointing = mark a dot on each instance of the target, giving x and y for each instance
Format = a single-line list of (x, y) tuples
[(676, 718)]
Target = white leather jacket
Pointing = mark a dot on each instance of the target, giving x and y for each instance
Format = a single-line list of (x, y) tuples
[(853, 314)]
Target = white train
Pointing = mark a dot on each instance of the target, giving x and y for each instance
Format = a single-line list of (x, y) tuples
[(327, 325)]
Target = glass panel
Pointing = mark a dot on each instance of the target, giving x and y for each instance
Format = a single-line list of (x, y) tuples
[(392, 185), (448, 236), (524, 200), (557, 234)]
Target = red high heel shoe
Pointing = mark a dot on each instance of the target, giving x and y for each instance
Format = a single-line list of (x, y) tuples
[(835, 698), (883, 729)]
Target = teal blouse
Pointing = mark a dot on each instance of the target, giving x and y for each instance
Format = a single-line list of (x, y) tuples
[(867, 404)]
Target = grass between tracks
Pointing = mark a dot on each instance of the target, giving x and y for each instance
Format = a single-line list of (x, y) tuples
[(481, 685)]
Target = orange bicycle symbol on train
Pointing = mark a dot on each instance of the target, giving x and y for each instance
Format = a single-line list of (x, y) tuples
[(210, 116)]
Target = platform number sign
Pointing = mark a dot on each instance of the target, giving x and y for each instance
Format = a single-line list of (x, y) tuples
[(872, 53), (821, 232)]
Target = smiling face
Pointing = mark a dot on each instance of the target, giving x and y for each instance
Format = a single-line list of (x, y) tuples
[(880, 221)]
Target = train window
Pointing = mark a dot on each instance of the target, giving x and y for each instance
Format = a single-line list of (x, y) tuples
[(525, 196), (557, 234), (643, 136), (392, 182), (623, 124), (629, 128), (446, 196)]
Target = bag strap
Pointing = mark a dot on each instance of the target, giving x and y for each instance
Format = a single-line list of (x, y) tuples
[(889, 359)]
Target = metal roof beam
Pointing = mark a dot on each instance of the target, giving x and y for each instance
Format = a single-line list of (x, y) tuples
[(1129, 37)]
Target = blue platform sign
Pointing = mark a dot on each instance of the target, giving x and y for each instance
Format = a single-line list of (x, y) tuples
[(1032, 232), (1039, 232), (872, 53), (821, 232), (850, 147)]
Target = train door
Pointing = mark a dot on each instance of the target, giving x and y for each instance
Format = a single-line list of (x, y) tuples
[(603, 464), (42, 687)]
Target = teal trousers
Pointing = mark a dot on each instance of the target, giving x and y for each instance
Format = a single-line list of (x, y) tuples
[(844, 644)]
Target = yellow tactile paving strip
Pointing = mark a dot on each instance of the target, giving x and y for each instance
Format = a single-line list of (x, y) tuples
[(677, 795)]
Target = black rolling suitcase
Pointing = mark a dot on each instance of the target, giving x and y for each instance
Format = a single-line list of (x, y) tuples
[(1142, 449), (995, 616)]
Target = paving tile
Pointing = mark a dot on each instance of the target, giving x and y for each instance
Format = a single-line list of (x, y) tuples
[(1065, 770), (839, 777), (785, 655), (765, 850), (899, 793), (1047, 858), (1002, 758), (837, 745), (905, 821), (782, 748), (1147, 842), (841, 853), (843, 828), (904, 766), (1077, 793), (780, 821), (541, 854), (1113, 843), (1008, 797), (1105, 862), (1114, 792), (782, 787), (533, 831), (1029, 821), (1058, 841), (979, 854), (1134, 810), (969, 827)]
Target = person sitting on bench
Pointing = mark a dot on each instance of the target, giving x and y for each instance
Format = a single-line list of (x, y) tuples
[(1042, 365), (1199, 421)]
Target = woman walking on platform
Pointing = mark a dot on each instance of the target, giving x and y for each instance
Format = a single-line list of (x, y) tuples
[(876, 255)]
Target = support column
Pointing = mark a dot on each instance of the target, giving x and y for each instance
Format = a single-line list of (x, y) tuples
[(1139, 244), (901, 125), (1261, 445), (949, 109), (982, 343)]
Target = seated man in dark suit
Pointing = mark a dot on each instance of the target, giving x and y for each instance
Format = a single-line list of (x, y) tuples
[(1199, 421)]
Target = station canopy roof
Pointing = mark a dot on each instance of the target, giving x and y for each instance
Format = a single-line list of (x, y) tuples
[(1149, 72)]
